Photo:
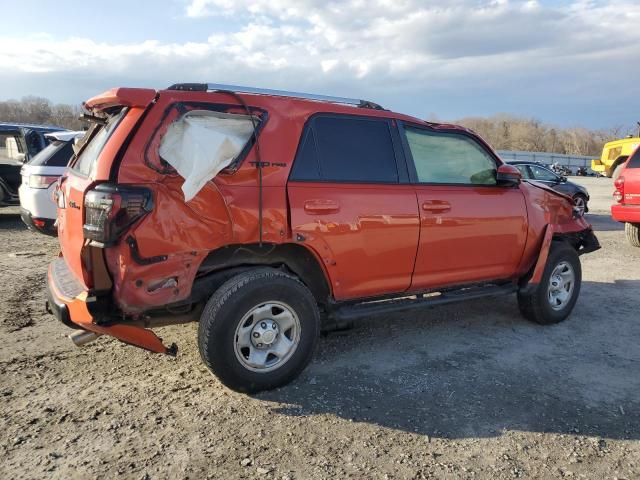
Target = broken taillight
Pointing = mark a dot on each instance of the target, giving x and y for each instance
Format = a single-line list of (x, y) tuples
[(109, 210), (618, 195)]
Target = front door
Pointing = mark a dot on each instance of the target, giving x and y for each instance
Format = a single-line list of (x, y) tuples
[(353, 206), (471, 229)]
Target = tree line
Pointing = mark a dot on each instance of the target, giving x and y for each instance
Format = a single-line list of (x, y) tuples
[(41, 111), (503, 132), (509, 132)]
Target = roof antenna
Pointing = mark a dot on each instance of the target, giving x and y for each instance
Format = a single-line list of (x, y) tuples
[(258, 161)]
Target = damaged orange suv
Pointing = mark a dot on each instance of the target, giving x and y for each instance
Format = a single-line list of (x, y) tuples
[(267, 215)]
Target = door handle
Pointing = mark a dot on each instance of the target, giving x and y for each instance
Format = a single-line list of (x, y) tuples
[(436, 206), (317, 207)]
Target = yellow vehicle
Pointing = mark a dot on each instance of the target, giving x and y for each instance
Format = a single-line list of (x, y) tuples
[(614, 154)]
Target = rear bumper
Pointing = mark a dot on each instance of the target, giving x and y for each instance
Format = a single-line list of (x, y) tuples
[(70, 303), (42, 225), (626, 213)]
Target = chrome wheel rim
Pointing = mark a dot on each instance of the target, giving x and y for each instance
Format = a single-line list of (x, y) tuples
[(581, 204), (561, 284), (267, 336)]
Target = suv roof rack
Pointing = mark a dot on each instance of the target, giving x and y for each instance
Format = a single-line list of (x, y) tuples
[(213, 87)]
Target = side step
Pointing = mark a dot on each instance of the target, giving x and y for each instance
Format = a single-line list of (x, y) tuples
[(343, 315)]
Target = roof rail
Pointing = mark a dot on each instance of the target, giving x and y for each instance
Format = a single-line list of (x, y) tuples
[(215, 87)]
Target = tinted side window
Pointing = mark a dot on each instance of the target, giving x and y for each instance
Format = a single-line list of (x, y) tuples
[(306, 165), (449, 158), (634, 161), (346, 150)]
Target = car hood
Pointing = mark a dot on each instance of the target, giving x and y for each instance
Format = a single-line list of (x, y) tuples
[(549, 189)]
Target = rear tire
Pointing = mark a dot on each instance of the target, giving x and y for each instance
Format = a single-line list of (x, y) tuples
[(553, 299), (632, 231), (258, 330)]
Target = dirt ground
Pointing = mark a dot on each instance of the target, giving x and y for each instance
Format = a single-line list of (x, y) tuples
[(463, 391)]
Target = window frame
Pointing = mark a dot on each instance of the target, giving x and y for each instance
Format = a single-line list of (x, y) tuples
[(402, 169), (413, 173), (185, 107)]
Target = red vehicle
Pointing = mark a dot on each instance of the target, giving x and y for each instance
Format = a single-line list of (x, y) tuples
[(627, 196), (327, 209)]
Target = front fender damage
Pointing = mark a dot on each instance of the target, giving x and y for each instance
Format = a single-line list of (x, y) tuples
[(583, 241)]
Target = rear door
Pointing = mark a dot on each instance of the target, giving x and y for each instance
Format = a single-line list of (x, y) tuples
[(351, 202), (471, 229)]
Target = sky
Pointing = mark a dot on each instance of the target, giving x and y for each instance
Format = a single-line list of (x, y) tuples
[(569, 63)]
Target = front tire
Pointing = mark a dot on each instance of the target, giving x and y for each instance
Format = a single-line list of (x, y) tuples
[(258, 330), (632, 231), (581, 202), (553, 299)]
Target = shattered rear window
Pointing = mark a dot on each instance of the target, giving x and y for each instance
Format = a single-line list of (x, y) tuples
[(96, 140)]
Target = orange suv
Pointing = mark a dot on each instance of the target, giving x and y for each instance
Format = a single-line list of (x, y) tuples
[(266, 215)]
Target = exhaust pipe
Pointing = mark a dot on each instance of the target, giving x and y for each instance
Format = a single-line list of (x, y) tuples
[(82, 337)]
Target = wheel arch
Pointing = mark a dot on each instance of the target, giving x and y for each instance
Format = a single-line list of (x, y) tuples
[(223, 263)]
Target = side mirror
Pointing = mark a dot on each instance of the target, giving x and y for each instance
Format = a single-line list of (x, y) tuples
[(563, 179), (508, 175)]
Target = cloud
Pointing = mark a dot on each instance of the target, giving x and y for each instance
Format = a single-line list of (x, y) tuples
[(526, 55)]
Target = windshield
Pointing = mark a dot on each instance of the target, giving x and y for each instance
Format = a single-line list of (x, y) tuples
[(56, 154), (97, 139)]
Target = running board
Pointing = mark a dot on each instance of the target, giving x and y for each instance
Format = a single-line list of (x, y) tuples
[(343, 315)]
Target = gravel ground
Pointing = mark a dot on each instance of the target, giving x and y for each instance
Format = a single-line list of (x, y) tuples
[(462, 391)]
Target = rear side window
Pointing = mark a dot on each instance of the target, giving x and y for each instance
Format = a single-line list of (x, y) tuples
[(346, 149), (97, 139), (56, 154), (449, 158), (634, 161)]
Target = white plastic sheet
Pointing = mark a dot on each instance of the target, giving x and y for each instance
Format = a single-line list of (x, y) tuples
[(202, 143)]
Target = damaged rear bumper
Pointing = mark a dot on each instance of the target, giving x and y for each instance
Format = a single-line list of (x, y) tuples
[(70, 303)]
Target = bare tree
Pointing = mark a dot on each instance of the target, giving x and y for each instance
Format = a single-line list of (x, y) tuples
[(508, 132)]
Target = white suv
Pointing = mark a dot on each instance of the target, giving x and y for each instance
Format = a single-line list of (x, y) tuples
[(37, 208)]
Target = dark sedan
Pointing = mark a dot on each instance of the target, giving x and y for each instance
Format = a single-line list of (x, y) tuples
[(541, 173)]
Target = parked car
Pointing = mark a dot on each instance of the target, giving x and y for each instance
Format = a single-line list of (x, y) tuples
[(540, 173), (39, 175), (261, 214), (18, 144), (627, 197)]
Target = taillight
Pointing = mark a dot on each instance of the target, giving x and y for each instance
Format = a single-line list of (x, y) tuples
[(42, 181), (618, 195), (109, 210)]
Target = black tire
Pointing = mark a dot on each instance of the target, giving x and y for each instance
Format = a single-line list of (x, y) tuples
[(580, 197), (228, 306), (617, 171), (632, 231), (535, 304)]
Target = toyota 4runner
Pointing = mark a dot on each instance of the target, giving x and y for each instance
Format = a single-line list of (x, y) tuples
[(266, 216)]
